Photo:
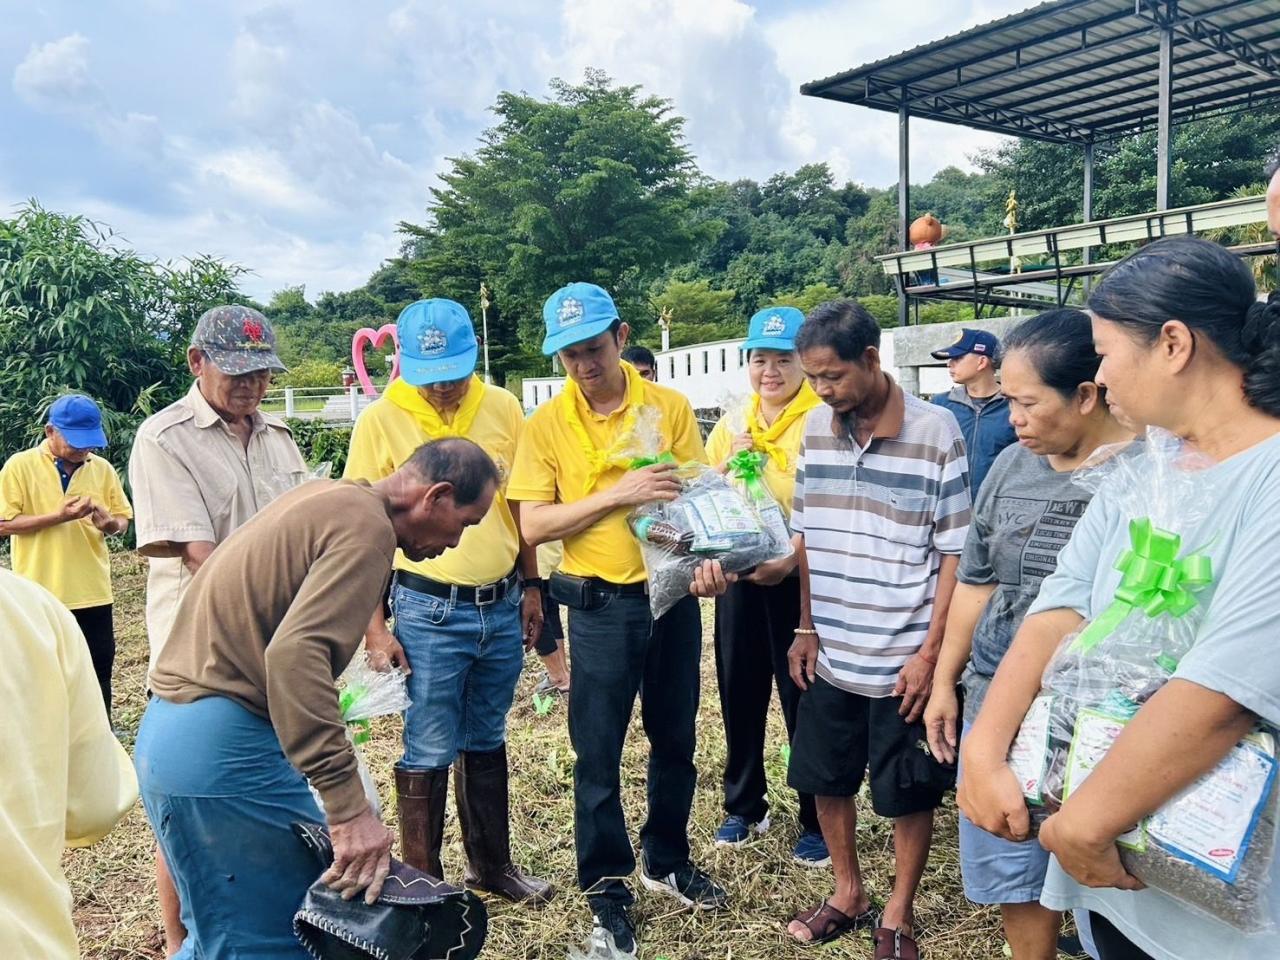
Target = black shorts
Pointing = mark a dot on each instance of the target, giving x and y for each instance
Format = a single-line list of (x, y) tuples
[(552, 635), (840, 735)]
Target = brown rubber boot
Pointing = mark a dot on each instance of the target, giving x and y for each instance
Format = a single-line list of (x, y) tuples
[(420, 800), (480, 788)]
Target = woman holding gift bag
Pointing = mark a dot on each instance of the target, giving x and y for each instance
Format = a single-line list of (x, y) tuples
[(756, 619), (1022, 518), (1185, 346)]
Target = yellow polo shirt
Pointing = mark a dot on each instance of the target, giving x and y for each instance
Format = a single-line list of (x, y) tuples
[(780, 481), (386, 435), (551, 467), (67, 780), (68, 559)]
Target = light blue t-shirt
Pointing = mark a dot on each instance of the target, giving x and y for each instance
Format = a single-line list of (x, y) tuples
[(1237, 653)]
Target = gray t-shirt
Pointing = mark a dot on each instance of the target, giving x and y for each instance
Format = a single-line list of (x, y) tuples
[(1234, 655), (1024, 516)]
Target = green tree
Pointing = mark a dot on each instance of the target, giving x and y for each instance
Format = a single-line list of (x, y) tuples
[(809, 297), (698, 313), (311, 373), (591, 184), (80, 313)]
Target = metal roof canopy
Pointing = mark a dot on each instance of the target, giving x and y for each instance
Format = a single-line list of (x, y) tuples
[(1078, 72)]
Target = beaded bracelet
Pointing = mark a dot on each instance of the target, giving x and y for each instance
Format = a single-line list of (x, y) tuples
[(806, 632)]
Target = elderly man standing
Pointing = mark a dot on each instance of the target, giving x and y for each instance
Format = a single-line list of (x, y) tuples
[(199, 469), (572, 475), (463, 620), (245, 709), (882, 511)]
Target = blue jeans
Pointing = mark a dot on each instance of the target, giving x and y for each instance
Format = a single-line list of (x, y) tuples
[(221, 798), (465, 660)]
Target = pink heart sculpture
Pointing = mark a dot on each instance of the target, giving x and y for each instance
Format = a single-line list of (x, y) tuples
[(375, 339)]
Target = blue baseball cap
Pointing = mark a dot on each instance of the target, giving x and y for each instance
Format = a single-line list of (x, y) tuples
[(773, 328), (437, 342), (79, 421), (970, 341), (576, 312)]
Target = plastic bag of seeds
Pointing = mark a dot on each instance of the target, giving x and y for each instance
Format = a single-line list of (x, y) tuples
[(709, 520), (365, 693), (1212, 845)]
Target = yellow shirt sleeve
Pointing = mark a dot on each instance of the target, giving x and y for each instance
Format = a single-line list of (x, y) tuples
[(369, 456), (13, 498), (719, 443), (101, 785), (533, 476), (686, 440), (117, 503)]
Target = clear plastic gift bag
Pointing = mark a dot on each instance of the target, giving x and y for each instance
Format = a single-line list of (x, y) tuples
[(365, 693), (709, 520), (745, 469), (1212, 845)]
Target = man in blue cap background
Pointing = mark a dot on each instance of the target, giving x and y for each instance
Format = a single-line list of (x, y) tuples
[(59, 502), (462, 619), (976, 401), (573, 478)]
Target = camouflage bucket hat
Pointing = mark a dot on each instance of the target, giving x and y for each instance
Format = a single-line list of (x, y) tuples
[(238, 340)]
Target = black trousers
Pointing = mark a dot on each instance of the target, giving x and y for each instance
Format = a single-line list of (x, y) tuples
[(753, 631), (1111, 943), (100, 634), (619, 651)]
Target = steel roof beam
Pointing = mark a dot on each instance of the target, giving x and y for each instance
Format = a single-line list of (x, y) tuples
[(1199, 54), (1139, 122), (964, 108), (1223, 40), (814, 87), (1102, 105)]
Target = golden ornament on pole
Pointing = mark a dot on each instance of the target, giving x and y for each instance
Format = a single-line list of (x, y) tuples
[(484, 322)]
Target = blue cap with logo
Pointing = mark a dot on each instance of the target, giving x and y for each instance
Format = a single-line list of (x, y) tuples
[(437, 342), (79, 421), (773, 328), (970, 341), (576, 312)]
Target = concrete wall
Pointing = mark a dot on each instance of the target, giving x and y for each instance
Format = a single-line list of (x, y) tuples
[(708, 372)]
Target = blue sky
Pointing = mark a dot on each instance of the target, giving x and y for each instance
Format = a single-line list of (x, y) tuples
[(292, 136)]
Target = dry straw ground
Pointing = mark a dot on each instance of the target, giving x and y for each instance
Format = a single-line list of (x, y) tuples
[(115, 905)]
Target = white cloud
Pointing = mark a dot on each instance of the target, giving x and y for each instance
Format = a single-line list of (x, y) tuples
[(258, 176), (711, 58), (292, 137), (837, 35), (55, 75)]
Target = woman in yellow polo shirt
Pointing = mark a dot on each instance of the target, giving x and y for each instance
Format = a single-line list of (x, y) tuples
[(756, 619)]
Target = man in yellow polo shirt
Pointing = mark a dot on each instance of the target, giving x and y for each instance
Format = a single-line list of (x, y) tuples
[(59, 502), (571, 474), (462, 620)]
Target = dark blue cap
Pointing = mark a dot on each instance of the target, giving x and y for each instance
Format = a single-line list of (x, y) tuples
[(79, 421), (970, 341)]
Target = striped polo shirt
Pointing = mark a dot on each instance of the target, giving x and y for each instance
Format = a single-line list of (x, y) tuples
[(876, 521)]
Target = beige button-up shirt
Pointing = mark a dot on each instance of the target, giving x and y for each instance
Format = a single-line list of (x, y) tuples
[(194, 480)]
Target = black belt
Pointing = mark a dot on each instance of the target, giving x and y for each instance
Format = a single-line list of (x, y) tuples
[(639, 589), (481, 596)]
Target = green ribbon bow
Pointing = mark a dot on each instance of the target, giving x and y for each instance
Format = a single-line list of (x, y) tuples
[(639, 463), (360, 729), (748, 466), (1154, 581)]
